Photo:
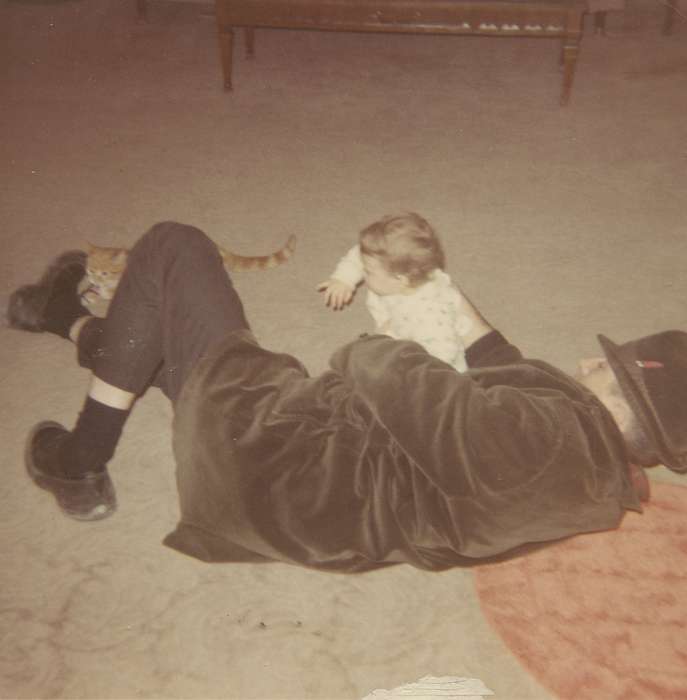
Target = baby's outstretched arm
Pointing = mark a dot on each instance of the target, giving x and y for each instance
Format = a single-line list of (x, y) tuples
[(339, 288), (337, 294)]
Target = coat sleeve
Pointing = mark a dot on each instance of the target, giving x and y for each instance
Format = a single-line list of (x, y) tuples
[(491, 350), (463, 437)]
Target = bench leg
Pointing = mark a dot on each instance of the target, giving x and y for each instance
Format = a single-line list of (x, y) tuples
[(226, 47), (669, 17), (571, 49), (249, 36), (600, 23), (142, 10)]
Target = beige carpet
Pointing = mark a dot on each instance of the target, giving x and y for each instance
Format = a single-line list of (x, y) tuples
[(559, 223)]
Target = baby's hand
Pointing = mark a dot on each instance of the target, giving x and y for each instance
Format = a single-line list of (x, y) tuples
[(337, 294)]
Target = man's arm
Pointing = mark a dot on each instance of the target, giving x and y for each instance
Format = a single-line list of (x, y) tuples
[(446, 422), (484, 346)]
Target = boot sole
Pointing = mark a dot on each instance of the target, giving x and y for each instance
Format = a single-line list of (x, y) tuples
[(86, 499), (27, 303)]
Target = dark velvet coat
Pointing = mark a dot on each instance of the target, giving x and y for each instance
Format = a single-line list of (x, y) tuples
[(391, 456)]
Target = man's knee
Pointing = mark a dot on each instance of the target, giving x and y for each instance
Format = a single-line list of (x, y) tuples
[(170, 234), (169, 239)]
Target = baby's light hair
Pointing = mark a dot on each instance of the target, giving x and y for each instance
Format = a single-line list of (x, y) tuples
[(405, 244)]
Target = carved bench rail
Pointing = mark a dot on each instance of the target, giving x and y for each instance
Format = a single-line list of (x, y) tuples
[(560, 19)]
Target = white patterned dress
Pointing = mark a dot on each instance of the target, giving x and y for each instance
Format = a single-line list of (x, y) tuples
[(430, 316)]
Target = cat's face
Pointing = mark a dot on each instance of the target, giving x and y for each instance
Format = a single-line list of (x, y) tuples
[(104, 267)]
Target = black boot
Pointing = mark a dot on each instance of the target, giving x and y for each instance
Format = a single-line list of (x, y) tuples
[(53, 303), (89, 495)]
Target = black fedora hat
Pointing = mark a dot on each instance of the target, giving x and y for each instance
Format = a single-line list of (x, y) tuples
[(652, 373)]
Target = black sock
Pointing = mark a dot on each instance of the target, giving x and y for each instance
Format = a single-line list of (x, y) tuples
[(93, 440), (64, 305)]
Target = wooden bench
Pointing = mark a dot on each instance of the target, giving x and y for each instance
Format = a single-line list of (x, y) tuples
[(547, 19)]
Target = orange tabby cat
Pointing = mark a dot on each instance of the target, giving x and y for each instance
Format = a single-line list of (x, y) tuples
[(105, 265)]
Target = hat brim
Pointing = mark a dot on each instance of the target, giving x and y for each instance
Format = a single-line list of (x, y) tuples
[(631, 384)]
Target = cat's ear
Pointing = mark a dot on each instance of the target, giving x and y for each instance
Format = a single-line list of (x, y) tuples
[(90, 247), (121, 256)]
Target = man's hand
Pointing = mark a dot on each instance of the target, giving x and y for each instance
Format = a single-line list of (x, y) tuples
[(337, 294)]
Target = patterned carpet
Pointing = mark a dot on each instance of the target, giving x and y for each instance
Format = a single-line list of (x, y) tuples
[(603, 615)]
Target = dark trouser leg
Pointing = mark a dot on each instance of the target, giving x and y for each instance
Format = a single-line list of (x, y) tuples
[(174, 302)]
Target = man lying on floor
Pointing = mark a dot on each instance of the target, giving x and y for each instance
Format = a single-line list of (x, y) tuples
[(390, 456)]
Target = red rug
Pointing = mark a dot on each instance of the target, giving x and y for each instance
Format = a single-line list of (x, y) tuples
[(601, 616)]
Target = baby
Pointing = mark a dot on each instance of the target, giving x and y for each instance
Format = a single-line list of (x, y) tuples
[(409, 295)]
